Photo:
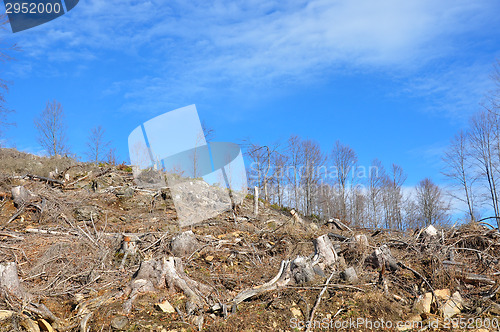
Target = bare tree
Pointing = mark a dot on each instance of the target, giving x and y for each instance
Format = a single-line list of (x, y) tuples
[(279, 162), (293, 170), (458, 170), (482, 139), (376, 176), (97, 145), (313, 160), (111, 157), (431, 205), (208, 132), (343, 158), (261, 166), (52, 129), (393, 197)]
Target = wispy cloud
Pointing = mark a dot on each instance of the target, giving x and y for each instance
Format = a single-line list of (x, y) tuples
[(457, 92), (205, 45)]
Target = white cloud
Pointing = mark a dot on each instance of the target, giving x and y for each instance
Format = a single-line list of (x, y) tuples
[(249, 43), (456, 92)]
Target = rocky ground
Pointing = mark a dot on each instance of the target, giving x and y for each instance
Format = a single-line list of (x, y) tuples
[(84, 248)]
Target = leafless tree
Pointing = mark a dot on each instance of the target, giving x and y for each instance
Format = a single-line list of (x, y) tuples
[(431, 205), (261, 165), (279, 162), (376, 176), (294, 151), (393, 197), (111, 157), (483, 145), (343, 159), (208, 132), (311, 172), (52, 129), (97, 145), (458, 169)]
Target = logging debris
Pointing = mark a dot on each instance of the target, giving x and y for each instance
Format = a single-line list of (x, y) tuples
[(99, 241)]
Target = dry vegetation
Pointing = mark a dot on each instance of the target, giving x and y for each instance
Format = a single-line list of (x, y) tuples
[(79, 241)]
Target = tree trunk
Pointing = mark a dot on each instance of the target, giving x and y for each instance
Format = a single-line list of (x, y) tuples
[(9, 281)]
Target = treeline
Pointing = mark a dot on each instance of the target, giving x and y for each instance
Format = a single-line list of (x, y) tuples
[(299, 175)]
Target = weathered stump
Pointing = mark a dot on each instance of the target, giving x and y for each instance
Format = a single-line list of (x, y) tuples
[(159, 274)]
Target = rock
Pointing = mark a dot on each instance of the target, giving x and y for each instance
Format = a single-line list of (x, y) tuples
[(166, 307), (45, 326), (119, 323), (349, 275), (21, 195), (6, 314), (453, 306), (209, 258), (184, 244), (423, 303)]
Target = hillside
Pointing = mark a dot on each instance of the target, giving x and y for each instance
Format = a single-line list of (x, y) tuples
[(95, 252)]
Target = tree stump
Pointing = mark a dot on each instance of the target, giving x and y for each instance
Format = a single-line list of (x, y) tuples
[(382, 256), (325, 255), (159, 274), (21, 196), (9, 281)]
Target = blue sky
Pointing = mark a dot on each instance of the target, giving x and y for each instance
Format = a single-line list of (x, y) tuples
[(394, 79)]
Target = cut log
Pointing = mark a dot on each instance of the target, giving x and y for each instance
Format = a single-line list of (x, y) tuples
[(42, 178), (337, 237)]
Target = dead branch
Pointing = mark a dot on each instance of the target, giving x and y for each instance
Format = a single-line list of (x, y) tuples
[(318, 301), (45, 179)]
